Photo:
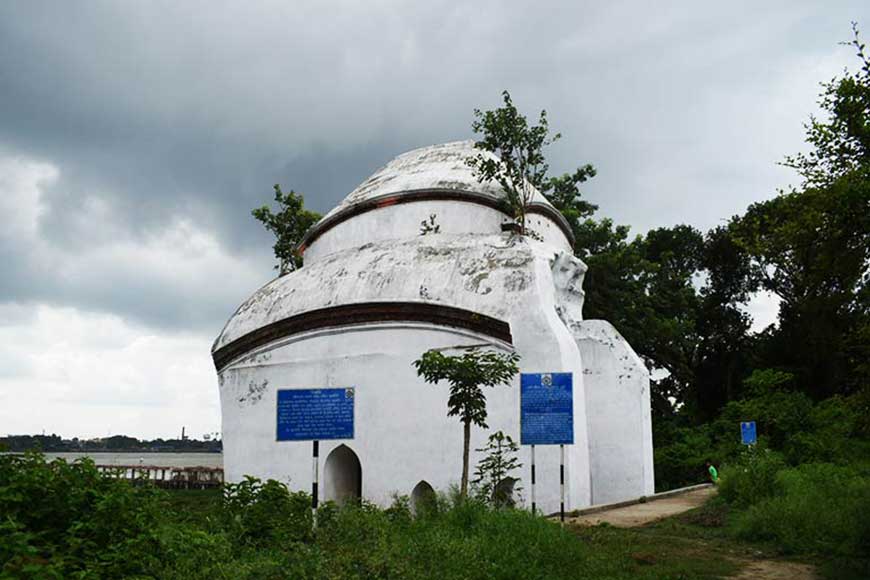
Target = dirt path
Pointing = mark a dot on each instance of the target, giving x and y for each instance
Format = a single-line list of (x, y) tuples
[(640, 514), (776, 570)]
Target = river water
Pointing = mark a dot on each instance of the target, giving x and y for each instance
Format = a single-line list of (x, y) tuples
[(155, 459)]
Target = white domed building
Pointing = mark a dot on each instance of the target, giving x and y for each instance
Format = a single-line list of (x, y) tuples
[(377, 290)]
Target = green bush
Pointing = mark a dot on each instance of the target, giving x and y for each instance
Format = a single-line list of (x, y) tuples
[(779, 416), (832, 435), (820, 508), (753, 477), (59, 519), (262, 514), (831, 431)]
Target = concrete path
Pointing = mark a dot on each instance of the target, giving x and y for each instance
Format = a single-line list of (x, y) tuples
[(640, 514)]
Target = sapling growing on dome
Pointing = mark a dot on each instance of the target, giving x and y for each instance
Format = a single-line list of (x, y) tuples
[(467, 374), (520, 168), (288, 225)]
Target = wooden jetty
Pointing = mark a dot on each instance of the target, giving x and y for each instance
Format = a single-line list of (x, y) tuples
[(199, 477)]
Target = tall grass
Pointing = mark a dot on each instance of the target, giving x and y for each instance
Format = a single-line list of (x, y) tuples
[(814, 508), (818, 507)]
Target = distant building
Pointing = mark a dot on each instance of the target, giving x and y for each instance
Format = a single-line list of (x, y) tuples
[(375, 293)]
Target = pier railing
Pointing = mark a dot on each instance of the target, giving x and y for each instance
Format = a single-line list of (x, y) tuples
[(167, 477)]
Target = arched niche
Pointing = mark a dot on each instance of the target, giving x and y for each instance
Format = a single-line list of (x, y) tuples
[(421, 496), (342, 475), (506, 493)]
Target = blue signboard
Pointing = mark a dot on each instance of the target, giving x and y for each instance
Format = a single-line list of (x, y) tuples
[(747, 432), (309, 414), (546, 409)]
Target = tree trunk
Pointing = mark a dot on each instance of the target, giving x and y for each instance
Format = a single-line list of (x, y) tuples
[(466, 444)]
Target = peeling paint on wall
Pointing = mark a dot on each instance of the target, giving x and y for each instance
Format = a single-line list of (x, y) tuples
[(254, 393)]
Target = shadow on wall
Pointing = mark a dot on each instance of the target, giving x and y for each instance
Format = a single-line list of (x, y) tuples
[(342, 475)]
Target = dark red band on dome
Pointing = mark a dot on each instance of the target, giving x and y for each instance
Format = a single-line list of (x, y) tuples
[(366, 312), (430, 195)]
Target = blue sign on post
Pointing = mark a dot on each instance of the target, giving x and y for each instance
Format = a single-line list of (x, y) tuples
[(747, 432), (313, 414), (546, 409)]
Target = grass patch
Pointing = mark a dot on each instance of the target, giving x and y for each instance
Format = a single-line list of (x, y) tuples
[(655, 552), (816, 509)]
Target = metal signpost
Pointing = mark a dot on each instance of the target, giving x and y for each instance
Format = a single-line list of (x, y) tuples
[(312, 415), (747, 432), (547, 418)]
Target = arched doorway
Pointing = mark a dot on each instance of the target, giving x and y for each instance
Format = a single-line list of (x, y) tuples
[(421, 496), (342, 475)]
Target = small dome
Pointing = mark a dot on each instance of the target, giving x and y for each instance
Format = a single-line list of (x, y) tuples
[(438, 174), (437, 167)]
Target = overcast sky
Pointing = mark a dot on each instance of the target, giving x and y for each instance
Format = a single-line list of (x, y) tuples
[(136, 137)]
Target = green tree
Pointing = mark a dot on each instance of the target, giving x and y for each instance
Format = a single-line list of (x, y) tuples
[(564, 193), (519, 166), (467, 374), (288, 225), (648, 287), (499, 462), (841, 141), (811, 246)]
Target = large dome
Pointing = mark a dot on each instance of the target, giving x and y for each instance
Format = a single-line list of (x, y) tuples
[(434, 175)]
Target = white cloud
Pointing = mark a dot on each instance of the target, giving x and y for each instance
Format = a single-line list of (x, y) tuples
[(175, 273), (81, 371), (88, 374), (21, 183)]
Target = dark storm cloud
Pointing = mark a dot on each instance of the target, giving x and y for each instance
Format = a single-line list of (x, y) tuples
[(191, 111)]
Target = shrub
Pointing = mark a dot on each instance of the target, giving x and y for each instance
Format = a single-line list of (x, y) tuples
[(819, 508), (60, 518), (681, 462), (833, 430), (262, 514), (456, 539), (492, 481), (752, 477)]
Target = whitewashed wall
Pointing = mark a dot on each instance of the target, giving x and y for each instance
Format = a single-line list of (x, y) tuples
[(402, 433), (618, 402)]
